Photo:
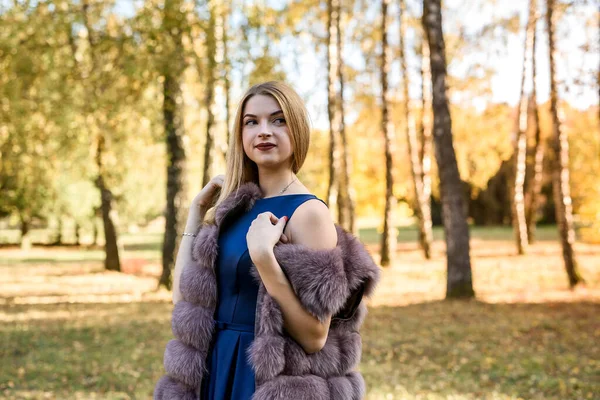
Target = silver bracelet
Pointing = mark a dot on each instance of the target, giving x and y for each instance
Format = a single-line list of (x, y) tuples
[(188, 234)]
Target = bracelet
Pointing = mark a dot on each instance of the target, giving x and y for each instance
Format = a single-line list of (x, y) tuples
[(188, 234)]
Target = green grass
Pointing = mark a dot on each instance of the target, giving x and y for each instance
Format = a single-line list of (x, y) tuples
[(504, 346), (408, 234), (436, 350), (473, 350), (108, 351)]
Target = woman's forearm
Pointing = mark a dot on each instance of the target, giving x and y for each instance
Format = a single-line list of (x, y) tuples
[(301, 325), (184, 254)]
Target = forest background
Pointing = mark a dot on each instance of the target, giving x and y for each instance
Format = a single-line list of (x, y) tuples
[(115, 113)]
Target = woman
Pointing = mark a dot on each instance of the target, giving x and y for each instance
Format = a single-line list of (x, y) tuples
[(268, 292)]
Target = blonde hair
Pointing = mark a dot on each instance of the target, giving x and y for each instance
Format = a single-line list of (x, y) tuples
[(240, 169)]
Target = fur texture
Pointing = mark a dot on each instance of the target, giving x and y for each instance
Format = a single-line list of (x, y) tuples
[(323, 280)]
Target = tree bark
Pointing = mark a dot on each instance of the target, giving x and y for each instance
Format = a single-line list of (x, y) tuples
[(332, 109), (426, 138), (456, 230), (58, 239), (112, 260), (388, 238), (77, 234), (226, 81), (519, 158), (174, 64), (536, 187), (346, 202), (95, 213), (425, 235), (560, 170), (211, 48), (25, 236)]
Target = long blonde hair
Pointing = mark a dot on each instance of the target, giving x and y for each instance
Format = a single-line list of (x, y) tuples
[(240, 169)]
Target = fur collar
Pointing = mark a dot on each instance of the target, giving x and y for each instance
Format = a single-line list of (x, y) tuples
[(340, 270)]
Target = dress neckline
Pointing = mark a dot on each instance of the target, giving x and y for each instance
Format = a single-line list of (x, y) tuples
[(286, 195)]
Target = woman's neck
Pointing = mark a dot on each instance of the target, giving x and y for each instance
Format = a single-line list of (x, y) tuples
[(272, 182)]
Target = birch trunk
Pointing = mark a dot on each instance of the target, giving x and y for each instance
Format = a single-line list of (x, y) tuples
[(560, 170), (425, 235), (332, 109), (456, 230), (536, 186), (346, 194), (519, 221), (388, 237)]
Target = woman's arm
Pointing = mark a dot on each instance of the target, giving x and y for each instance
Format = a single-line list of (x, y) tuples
[(311, 226), (184, 254), (200, 204)]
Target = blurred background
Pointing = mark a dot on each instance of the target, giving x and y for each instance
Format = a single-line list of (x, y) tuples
[(468, 163)]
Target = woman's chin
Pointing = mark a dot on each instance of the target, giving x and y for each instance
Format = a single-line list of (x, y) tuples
[(267, 163)]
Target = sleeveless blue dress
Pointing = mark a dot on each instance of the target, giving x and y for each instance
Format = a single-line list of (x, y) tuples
[(230, 376)]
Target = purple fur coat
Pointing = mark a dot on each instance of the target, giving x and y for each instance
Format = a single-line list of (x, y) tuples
[(327, 282)]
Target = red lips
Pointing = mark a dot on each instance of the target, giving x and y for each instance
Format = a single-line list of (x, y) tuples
[(265, 146)]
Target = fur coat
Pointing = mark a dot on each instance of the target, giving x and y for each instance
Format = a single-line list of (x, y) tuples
[(327, 282)]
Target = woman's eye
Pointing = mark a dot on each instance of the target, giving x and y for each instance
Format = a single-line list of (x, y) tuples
[(249, 122), (279, 121)]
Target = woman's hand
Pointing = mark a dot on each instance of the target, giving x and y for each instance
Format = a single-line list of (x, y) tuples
[(202, 202), (208, 195), (264, 233)]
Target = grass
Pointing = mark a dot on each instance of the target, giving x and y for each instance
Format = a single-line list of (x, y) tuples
[(70, 330)]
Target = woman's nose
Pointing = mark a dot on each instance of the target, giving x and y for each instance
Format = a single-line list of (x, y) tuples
[(265, 129)]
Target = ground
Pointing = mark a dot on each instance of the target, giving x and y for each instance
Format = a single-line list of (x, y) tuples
[(70, 330)]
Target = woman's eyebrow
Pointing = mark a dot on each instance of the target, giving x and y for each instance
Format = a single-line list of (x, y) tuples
[(272, 114)]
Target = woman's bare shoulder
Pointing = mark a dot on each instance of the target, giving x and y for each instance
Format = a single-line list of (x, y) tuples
[(312, 225)]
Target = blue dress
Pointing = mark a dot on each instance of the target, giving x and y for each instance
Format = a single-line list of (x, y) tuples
[(230, 376)]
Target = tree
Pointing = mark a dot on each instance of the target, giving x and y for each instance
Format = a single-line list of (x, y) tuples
[(226, 71), (456, 230), (535, 188), (560, 170), (422, 209), (99, 84), (211, 71), (172, 66), (346, 193), (426, 141), (333, 114), (388, 237), (519, 157)]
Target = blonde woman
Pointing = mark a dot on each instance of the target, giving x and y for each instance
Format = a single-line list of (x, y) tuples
[(268, 291)]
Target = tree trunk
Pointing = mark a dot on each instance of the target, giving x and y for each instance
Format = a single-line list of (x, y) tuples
[(25, 236), (332, 109), (77, 234), (347, 194), (425, 236), (560, 170), (456, 230), (95, 226), (388, 238), (519, 158), (536, 186), (426, 140), (111, 261), (211, 48), (58, 239), (226, 82), (174, 65)]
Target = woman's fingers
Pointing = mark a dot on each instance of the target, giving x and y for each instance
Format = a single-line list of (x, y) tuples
[(274, 220)]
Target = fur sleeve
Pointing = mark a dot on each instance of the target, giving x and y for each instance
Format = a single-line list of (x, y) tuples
[(331, 281)]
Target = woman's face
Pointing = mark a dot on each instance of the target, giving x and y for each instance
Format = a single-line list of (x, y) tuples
[(265, 134)]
